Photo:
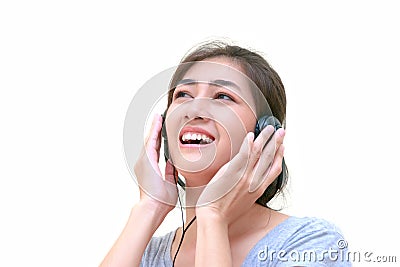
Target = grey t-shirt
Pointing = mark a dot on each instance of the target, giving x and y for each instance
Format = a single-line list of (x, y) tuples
[(294, 242)]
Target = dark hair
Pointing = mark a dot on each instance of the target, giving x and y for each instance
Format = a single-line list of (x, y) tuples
[(262, 74)]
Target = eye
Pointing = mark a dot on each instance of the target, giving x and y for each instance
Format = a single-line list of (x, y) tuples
[(223, 97), (179, 94)]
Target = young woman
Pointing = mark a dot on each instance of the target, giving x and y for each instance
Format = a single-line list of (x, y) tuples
[(217, 97)]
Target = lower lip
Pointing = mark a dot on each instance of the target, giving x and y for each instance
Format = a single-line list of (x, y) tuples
[(194, 145)]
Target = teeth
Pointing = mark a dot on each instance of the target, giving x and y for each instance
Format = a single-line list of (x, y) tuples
[(204, 139)]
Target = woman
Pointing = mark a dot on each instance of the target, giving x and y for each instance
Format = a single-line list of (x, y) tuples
[(214, 107)]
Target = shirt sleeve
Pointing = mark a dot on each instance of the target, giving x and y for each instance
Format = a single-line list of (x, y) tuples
[(157, 252)]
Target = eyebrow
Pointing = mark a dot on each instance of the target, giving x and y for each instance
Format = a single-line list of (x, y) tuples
[(219, 82), (185, 81)]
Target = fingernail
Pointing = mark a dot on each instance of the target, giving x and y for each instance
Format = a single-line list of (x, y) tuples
[(250, 136), (282, 133)]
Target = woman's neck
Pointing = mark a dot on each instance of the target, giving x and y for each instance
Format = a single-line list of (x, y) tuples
[(255, 218)]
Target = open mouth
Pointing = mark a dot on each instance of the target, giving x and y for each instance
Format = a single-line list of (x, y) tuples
[(194, 138)]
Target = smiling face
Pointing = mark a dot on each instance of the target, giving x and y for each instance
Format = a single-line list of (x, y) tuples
[(211, 112)]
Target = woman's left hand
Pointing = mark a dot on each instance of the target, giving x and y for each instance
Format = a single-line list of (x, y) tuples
[(241, 181)]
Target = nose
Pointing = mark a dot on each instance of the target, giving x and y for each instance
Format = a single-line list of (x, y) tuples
[(198, 108)]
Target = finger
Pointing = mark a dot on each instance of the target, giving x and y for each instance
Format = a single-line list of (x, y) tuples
[(258, 177), (276, 168), (155, 124), (244, 151), (272, 173), (280, 135), (270, 151), (153, 140), (258, 146), (257, 149), (273, 145), (265, 136), (265, 161)]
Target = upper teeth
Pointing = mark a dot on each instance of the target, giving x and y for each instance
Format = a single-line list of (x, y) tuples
[(196, 136)]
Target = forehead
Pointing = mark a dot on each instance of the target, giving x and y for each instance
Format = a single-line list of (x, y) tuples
[(221, 72), (217, 69)]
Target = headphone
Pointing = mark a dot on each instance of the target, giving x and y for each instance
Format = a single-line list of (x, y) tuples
[(260, 125)]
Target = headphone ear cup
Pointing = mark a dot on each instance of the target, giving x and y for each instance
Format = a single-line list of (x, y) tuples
[(164, 135), (264, 122), (276, 185)]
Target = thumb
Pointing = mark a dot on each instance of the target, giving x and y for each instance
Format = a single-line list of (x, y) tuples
[(244, 151)]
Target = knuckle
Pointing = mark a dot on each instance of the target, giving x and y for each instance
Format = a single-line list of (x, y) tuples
[(256, 152), (248, 181), (242, 155), (269, 153), (260, 190)]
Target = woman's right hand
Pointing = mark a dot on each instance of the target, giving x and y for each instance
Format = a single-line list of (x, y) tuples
[(157, 198), (154, 190)]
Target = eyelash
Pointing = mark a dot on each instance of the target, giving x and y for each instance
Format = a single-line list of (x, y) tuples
[(224, 95), (180, 94)]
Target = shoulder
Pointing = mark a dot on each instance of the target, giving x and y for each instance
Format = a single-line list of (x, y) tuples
[(158, 250), (310, 232), (311, 241)]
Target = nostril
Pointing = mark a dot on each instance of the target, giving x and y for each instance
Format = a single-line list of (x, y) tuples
[(193, 117)]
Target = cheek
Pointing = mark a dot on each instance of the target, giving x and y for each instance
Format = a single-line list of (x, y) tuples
[(232, 136), (249, 120), (237, 131)]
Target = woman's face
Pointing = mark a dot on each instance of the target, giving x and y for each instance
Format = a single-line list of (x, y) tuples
[(211, 112)]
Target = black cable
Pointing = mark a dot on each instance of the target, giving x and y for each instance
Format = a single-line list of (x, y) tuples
[(183, 235), (183, 221)]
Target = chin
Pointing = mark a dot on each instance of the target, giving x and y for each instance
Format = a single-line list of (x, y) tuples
[(199, 178)]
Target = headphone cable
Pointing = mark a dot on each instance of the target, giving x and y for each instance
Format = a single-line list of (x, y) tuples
[(183, 221), (183, 235)]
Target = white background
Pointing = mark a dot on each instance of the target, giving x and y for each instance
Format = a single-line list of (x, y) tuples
[(69, 69)]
